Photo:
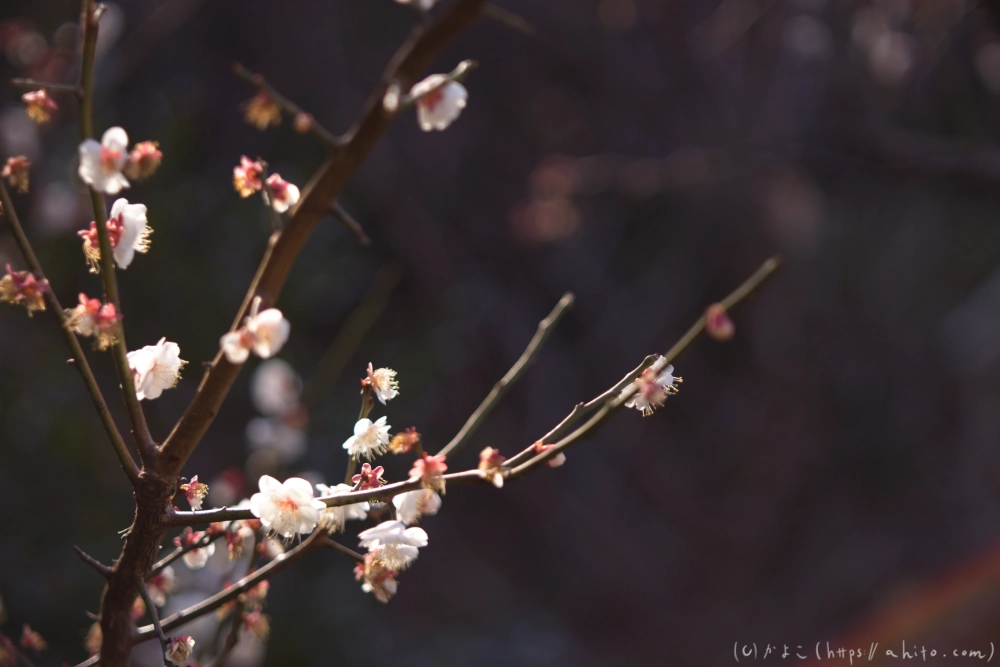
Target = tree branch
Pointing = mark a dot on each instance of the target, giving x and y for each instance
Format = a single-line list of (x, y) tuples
[(101, 568), (258, 81), (500, 388), (348, 221), (151, 608), (79, 360), (411, 59)]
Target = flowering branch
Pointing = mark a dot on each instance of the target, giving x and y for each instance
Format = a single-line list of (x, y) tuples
[(79, 360), (308, 121), (140, 430), (211, 604), (500, 388), (284, 246), (456, 75), (179, 552)]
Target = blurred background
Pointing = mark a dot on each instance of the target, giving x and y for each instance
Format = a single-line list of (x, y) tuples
[(828, 475)]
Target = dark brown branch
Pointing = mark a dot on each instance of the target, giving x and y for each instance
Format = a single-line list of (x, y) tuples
[(61, 87), (101, 568), (79, 359), (353, 226), (337, 546), (258, 81), (411, 59), (246, 583), (545, 328), (151, 608)]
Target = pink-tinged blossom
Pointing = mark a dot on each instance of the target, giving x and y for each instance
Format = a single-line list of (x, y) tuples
[(179, 650), (17, 173), (287, 508), (155, 368), (368, 478), (369, 440), (430, 470), (412, 505), (261, 111), (265, 333), (718, 324), (395, 545), (22, 288), (439, 101), (143, 160), (195, 559), (92, 318), (404, 442), (257, 623), (334, 518), (491, 466), (195, 493), (376, 578), (286, 194), (40, 105), (160, 585), (31, 640), (556, 461), (383, 383), (653, 389), (101, 164), (247, 176), (303, 122), (128, 233)]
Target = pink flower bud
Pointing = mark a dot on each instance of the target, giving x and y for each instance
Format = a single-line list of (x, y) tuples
[(718, 325)]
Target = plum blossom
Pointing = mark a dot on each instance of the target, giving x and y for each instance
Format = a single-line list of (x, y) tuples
[(246, 176), (40, 105), (334, 518), (383, 383), (286, 440), (92, 318), (275, 387), (128, 232), (179, 650), (439, 101), (652, 389), (412, 505), (160, 585), (556, 461), (286, 194), (368, 478), (286, 508), (101, 164), (718, 324), (376, 578), (258, 623), (31, 640), (155, 368), (430, 470), (261, 111), (17, 173), (265, 333), (94, 639), (196, 558), (491, 466), (303, 122), (143, 160), (369, 440), (395, 545), (195, 493), (404, 442), (22, 288)]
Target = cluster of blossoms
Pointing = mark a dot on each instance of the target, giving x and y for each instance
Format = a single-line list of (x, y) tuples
[(30, 641), (93, 318), (652, 389), (107, 166), (200, 547), (23, 288), (128, 233), (265, 333), (248, 179)]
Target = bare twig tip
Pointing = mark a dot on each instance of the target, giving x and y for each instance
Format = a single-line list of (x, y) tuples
[(101, 568)]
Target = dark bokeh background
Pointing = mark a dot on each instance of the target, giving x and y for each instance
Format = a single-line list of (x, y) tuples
[(840, 455)]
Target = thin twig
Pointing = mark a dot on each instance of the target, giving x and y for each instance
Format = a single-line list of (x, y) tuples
[(89, 662), (337, 546), (545, 328), (347, 220), (205, 540), (101, 568), (231, 639), (151, 608), (60, 87), (222, 597), (508, 18), (258, 81), (79, 359)]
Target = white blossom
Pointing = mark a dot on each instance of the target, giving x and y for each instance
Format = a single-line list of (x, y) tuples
[(412, 505), (135, 232), (334, 518), (286, 194), (286, 508), (101, 164), (155, 368), (383, 383), (265, 333), (160, 585), (652, 389), (275, 387), (439, 101), (179, 650), (395, 545), (196, 558), (369, 440), (288, 442)]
